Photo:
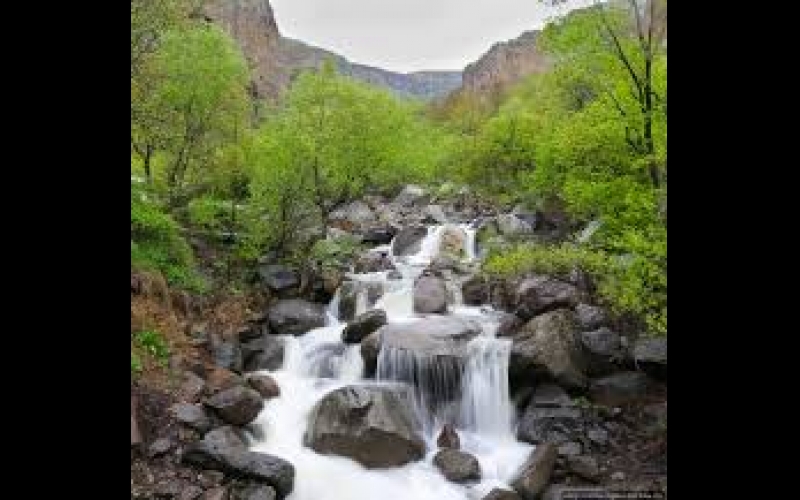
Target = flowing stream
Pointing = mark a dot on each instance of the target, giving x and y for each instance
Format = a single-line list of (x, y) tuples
[(478, 406)]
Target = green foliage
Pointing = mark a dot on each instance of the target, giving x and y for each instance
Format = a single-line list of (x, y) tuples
[(209, 213), (153, 344), (332, 141), (332, 253), (157, 243), (631, 283)]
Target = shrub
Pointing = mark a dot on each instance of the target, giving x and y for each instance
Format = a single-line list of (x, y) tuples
[(153, 344)]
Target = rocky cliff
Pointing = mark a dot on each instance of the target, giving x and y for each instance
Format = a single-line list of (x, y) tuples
[(274, 59), (505, 64)]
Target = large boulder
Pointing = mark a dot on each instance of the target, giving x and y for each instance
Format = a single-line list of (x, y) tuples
[(540, 294), (263, 353), (296, 317), (548, 346), (557, 425), (363, 325), (225, 454), (408, 241), (620, 388), (430, 295), (369, 424), (238, 405), (378, 235), (534, 475), (457, 466), (651, 356), (279, 279)]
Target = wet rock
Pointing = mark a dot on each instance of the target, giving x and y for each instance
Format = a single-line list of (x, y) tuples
[(434, 214), (570, 449), (584, 466), (364, 325), (590, 317), (540, 294), (598, 436), (279, 279), (501, 494), (264, 385), (508, 325), (372, 262), (535, 473), (370, 348), (554, 425), (448, 438), (430, 295), (452, 242), (238, 405), (191, 415), (378, 235), (220, 379), (372, 425), (620, 388), (547, 346), (295, 317), (408, 241), (355, 293), (457, 466), (263, 353)]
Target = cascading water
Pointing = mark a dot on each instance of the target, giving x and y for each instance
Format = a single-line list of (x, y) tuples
[(466, 386)]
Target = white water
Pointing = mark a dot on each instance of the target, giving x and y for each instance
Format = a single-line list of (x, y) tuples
[(480, 409)]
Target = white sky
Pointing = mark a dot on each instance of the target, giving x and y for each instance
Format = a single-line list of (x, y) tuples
[(410, 35)]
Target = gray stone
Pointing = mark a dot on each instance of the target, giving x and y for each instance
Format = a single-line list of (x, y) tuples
[(192, 416), (457, 466), (534, 475), (264, 385), (591, 317), (372, 425), (540, 294), (296, 316), (237, 406), (279, 279), (364, 325), (408, 241), (430, 295), (620, 388)]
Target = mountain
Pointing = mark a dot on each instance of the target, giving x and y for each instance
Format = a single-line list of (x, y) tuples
[(505, 64), (275, 59)]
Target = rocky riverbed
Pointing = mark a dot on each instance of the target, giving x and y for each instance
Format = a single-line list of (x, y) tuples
[(410, 375)]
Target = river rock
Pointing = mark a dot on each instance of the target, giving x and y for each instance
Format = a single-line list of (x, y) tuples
[(651, 356), (253, 492), (408, 241), (238, 405), (371, 425), (372, 262), (220, 379), (434, 214), (192, 388), (513, 225), (475, 290), (218, 493), (279, 279), (240, 462), (540, 294), (193, 416), (457, 466), (430, 295), (545, 424), (548, 346), (452, 242), (264, 385), (370, 349), (379, 235), (263, 353), (590, 317), (369, 291), (448, 438), (501, 494), (295, 317), (620, 388), (603, 349), (364, 325), (227, 354), (534, 475)]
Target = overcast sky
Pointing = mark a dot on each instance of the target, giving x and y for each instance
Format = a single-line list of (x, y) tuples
[(410, 35)]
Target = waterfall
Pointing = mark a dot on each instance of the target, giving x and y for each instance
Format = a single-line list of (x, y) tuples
[(465, 386)]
